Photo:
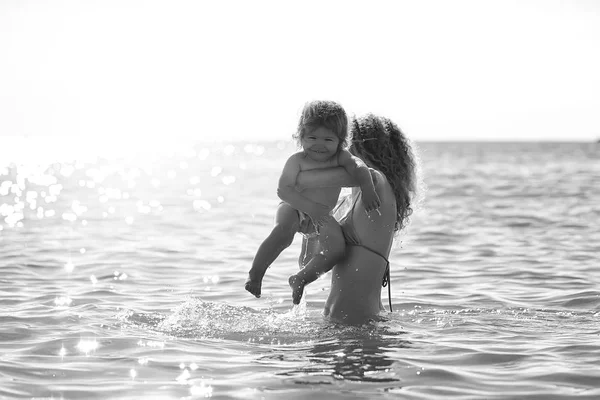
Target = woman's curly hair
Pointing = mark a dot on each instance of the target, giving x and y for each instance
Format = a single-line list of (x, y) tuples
[(382, 145)]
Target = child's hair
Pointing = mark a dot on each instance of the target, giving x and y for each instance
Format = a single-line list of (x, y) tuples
[(381, 144), (323, 113)]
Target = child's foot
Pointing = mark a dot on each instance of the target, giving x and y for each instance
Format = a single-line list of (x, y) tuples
[(253, 286), (297, 285)]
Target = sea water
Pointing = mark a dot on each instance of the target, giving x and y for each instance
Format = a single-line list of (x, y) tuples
[(123, 266)]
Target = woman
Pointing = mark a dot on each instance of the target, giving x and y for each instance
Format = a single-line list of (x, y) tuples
[(356, 281)]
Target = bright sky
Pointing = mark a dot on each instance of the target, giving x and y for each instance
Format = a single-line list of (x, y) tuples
[(443, 70)]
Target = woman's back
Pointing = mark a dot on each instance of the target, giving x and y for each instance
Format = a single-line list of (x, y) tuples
[(355, 295)]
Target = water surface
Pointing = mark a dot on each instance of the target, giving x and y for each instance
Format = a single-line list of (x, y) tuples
[(122, 278)]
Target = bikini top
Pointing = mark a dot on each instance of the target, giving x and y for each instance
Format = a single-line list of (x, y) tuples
[(352, 239)]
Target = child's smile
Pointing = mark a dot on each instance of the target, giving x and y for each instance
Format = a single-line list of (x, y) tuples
[(321, 144)]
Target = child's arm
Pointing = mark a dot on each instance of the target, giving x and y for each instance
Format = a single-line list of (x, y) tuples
[(325, 178), (357, 168), (287, 192), (329, 177)]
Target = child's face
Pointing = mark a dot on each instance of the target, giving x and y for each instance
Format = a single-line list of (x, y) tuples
[(320, 144)]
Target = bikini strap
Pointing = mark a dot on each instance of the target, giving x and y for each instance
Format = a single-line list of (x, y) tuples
[(387, 282), (386, 275)]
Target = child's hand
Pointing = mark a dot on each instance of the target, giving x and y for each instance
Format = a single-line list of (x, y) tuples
[(306, 226), (371, 200), (320, 215), (322, 220)]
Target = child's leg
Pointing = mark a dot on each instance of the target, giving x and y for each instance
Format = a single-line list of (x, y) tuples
[(310, 247), (281, 236), (331, 250)]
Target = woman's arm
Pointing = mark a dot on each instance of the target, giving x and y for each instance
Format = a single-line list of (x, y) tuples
[(357, 168), (326, 177)]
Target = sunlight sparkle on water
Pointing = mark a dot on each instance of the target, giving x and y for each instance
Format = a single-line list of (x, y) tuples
[(202, 390), (63, 301), (142, 209), (228, 180), (78, 208), (5, 187), (69, 217), (201, 205), (69, 267), (183, 377), (87, 346), (54, 190), (215, 171), (121, 276), (150, 343), (214, 279)]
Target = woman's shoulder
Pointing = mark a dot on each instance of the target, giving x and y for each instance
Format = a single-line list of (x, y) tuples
[(382, 186), (378, 177)]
